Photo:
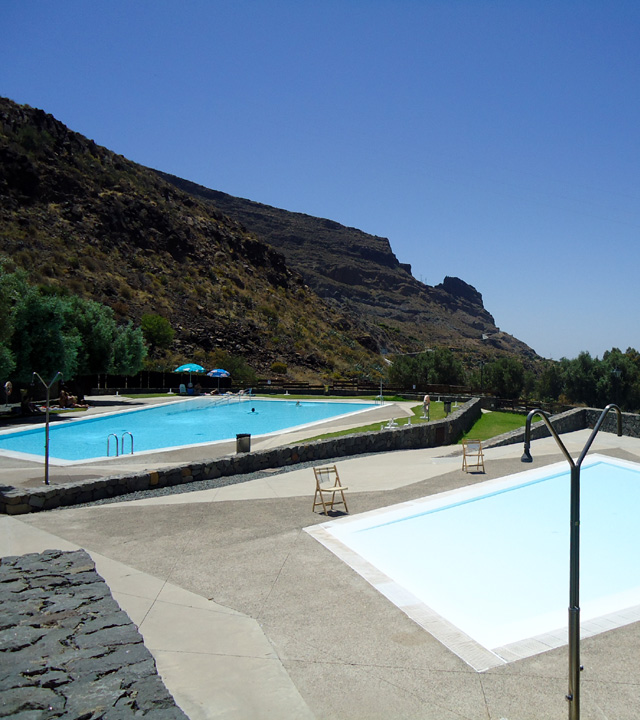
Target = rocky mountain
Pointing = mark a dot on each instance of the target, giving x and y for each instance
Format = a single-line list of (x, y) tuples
[(360, 276), (227, 273)]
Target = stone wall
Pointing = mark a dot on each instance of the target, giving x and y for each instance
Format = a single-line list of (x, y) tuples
[(66, 647), (563, 422), (569, 421), (15, 501), (630, 422)]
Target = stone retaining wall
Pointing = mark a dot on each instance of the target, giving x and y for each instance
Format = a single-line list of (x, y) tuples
[(563, 422), (15, 501), (569, 421), (66, 647), (630, 422)]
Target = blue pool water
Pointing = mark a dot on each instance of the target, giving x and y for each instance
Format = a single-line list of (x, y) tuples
[(493, 559), (188, 422)]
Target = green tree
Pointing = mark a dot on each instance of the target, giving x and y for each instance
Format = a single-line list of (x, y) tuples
[(550, 382), (619, 379), (446, 368), (40, 342), (157, 332), (95, 326), (580, 376), (45, 330), (237, 366), (439, 367), (13, 286), (504, 377), (7, 362), (129, 350)]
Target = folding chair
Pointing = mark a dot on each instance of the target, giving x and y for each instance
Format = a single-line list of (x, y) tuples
[(324, 476), (472, 456)]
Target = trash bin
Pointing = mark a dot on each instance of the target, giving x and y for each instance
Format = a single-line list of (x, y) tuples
[(447, 407), (243, 443)]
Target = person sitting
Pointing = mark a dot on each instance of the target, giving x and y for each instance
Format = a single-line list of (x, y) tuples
[(69, 401)]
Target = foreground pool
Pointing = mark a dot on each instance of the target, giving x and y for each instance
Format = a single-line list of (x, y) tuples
[(181, 423), (486, 568)]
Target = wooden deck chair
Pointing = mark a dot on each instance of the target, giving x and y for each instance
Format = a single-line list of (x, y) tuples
[(472, 456), (328, 484)]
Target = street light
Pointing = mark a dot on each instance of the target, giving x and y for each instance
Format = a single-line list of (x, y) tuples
[(46, 427), (573, 696)]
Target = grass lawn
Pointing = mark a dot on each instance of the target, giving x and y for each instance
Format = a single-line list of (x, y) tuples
[(436, 412), (495, 423)]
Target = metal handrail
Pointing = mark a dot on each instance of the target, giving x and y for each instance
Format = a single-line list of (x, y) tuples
[(108, 439), (122, 442)]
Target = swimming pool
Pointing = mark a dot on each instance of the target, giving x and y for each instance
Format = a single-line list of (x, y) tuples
[(486, 568), (189, 422)]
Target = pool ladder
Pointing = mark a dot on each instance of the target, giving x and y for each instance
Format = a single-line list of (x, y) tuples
[(113, 435)]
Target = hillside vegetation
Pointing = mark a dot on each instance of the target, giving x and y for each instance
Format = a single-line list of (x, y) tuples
[(304, 295), (76, 216)]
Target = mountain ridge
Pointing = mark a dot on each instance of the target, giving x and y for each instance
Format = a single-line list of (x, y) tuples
[(76, 216), (360, 274)]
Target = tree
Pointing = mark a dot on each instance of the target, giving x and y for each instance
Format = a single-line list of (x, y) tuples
[(439, 367), (504, 377), (580, 378), (7, 362), (46, 331), (129, 350), (550, 382), (12, 287), (446, 369), (157, 332), (95, 324), (40, 343), (235, 365)]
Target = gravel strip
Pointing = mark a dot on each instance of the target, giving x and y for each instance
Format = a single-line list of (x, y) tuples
[(198, 485)]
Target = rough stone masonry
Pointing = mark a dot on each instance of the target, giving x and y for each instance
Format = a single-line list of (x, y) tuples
[(68, 650)]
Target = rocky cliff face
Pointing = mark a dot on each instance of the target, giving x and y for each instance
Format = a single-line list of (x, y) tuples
[(360, 275), (227, 273), (83, 220)]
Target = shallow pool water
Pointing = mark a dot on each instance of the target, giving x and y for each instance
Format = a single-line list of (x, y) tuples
[(493, 559), (189, 422)]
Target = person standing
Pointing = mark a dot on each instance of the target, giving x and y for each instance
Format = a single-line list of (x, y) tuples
[(426, 402)]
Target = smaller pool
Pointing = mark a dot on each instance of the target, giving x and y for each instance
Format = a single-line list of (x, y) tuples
[(194, 421), (486, 568)]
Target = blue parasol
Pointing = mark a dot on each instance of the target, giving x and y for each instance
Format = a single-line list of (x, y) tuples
[(219, 373), (190, 368)]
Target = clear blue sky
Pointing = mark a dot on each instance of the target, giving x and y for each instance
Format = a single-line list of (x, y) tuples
[(498, 141)]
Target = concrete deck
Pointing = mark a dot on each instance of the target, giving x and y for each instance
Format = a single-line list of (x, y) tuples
[(250, 617)]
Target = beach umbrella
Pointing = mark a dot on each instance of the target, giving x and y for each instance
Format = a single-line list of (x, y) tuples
[(190, 368), (219, 373)]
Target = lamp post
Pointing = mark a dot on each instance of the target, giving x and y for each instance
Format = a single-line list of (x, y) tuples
[(46, 427), (573, 696)]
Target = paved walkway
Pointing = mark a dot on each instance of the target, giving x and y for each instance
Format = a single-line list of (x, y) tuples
[(248, 616)]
